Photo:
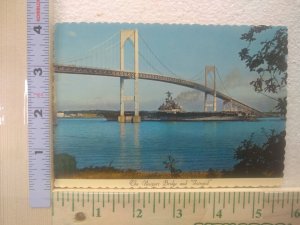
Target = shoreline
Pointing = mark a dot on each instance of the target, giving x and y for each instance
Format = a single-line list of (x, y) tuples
[(112, 173), (110, 115)]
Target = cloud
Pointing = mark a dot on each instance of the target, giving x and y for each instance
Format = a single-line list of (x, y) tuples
[(190, 100), (233, 79), (190, 96), (72, 34)]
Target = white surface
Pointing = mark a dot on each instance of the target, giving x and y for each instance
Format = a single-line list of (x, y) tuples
[(14, 205), (232, 12)]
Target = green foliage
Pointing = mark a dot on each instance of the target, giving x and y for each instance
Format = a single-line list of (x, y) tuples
[(262, 161), (281, 106), (269, 61), (64, 164), (170, 164)]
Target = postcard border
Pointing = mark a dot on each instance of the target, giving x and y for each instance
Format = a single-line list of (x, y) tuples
[(168, 183)]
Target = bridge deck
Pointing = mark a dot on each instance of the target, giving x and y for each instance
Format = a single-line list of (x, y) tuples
[(147, 76)]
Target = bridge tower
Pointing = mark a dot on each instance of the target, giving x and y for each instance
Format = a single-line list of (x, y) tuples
[(208, 71), (129, 35)]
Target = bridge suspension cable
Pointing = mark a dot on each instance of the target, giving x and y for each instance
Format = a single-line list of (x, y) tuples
[(152, 53), (73, 58), (222, 82), (197, 77), (149, 65), (102, 55)]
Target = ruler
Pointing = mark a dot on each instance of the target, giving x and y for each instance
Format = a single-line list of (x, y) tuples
[(195, 208), (38, 80)]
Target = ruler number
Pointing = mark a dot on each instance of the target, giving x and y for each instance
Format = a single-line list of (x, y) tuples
[(219, 214), (258, 213), (98, 212), (297, 213), (38, 71), (37, 29), (38, 152), (139, 213), (38, 112), (179, 213)]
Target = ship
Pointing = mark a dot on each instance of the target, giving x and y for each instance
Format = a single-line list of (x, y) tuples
[(170, 105)]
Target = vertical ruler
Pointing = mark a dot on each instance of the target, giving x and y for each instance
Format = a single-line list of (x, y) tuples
[(38, 102)]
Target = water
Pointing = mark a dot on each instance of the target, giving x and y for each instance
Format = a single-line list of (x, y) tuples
[(195, 145)]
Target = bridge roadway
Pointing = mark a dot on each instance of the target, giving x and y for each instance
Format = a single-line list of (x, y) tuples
[(70, 69)]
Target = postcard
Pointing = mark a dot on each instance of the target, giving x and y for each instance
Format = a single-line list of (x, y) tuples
[(169, 106)]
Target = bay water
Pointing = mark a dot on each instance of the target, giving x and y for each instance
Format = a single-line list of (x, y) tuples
[(196, 146)]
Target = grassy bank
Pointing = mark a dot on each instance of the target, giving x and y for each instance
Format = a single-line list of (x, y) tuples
[(112, 173)]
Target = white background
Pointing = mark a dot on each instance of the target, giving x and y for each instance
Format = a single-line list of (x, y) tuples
[(215, 12), (14, 206)]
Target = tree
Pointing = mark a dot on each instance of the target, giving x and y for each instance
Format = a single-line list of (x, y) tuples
[(264, 160), (281, 106), (170, 164), (268, 59), (64, 164)]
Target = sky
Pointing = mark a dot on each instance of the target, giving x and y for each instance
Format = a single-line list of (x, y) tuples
[(180, 51)]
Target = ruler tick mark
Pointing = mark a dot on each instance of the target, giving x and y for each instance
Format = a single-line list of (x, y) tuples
[(103, 200), (159, 197), (224, 199), (292, 211), (113, 202), (72, 201), (174, 204), (194, 203), (253, 205), (233, 210), (123, 200), (214, 206), (248, 197), (63, 199), (204, 200), (133, 205), (264, 199), (93, 205), (82, 200), (153, 202), (273, 200)]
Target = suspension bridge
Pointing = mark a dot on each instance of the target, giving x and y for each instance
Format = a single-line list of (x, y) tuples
[(108, 59)]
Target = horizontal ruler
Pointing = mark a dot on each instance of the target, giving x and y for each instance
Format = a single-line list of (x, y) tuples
[(196, 208)]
